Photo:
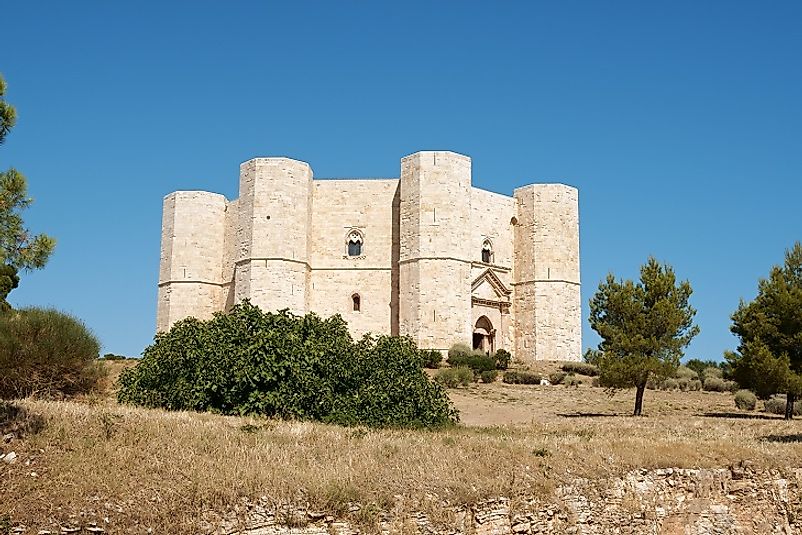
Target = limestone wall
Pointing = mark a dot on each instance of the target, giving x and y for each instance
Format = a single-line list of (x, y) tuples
[(274, 215), (193, 229), (547, 309), (435, 214), (338, 207)]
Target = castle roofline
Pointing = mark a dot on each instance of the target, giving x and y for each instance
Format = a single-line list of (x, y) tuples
[(422, 152), (273, 159)]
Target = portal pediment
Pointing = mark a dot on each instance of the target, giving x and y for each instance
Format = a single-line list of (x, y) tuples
[(488, 286)]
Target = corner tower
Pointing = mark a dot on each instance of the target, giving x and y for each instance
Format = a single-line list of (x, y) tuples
[(546, 298), (272, 259), (191, 265), (435, 224)]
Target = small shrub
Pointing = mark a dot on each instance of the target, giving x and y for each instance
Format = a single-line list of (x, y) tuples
[(717, 384), (776, 405), (458, 350), (431, 358), (745, 400), (712, 372), (503, 358), (112, 356), (454, 377), (44, 352), (669, 384), (572, 380), (556, 378), (652, 383), (488, 376), (694, 385), (581, 368), (476, 360), (521, 378), (683, 372)]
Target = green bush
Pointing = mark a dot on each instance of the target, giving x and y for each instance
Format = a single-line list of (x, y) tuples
[(454, 377), (287, 366), (431, 358), (683, 372), (776, 405), (521, 378), (669, 384), (572, 380), (717, 384), (581, 368), (459, 351), (712, 372), (112, 356), (746, 400), (489, 376), (476, 360), (503, 358), (46, 353), (694, 385), (557, 378)]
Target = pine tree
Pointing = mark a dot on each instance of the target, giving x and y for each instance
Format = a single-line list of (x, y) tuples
[(644, 328), (769, 356), (19, 250)]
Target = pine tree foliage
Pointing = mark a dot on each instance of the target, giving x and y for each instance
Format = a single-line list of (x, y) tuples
[(769, 356), (644, 327), (19, 249)]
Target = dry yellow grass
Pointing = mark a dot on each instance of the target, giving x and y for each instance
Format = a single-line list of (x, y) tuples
[(167, 471)]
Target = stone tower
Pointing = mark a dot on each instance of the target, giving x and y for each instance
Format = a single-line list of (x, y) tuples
[(546, 300), (434, 276), (272, 265), (190, 270)]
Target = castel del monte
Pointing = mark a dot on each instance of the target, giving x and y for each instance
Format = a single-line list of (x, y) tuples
[(425, 255)]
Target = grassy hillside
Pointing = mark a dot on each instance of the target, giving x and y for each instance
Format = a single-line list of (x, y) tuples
[(131, 469)]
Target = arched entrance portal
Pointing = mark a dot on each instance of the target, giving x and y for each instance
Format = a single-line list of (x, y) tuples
[(484, 335)]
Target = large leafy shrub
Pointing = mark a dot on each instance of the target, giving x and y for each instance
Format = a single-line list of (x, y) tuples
[(287, 366), (46, 353)]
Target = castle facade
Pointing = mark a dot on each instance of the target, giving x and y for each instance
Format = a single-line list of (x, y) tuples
[(425, 255)]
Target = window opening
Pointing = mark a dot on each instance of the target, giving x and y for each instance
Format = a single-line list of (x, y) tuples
[(487, 252), (354, 244)]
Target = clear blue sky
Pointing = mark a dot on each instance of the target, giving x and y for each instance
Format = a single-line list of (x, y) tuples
[(679, 122)]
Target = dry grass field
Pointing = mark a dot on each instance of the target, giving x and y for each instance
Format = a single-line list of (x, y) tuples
[(130, 470)]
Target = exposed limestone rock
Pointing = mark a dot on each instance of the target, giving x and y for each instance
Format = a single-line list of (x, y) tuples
[(732, 501)]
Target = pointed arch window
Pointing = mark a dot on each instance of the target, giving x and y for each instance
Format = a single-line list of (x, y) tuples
[(354, 243), (356, 302), (487, 252)]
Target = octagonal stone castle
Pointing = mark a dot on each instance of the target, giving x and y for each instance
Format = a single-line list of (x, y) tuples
[(425, 255)]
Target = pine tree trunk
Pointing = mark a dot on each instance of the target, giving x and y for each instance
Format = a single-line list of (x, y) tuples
[(789, 406), (639, 399)]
